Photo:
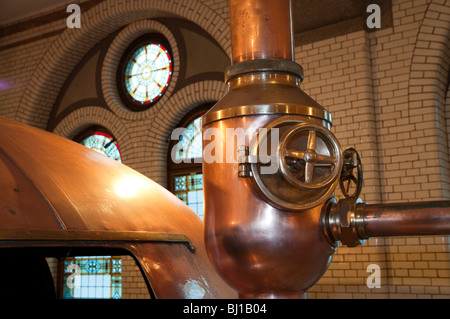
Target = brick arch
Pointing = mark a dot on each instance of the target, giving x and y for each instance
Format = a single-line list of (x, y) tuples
[(107, 17), (430, 66), (169, 115), (431, 57), (82, 118)]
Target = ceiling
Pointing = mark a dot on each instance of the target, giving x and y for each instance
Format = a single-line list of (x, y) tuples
[(14, 10), (308, 14)]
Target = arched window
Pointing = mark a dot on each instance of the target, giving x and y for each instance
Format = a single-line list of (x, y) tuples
[(100, 276), (185, 178), (100, 140)]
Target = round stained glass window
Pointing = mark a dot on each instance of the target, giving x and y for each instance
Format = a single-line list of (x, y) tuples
[(146, 73), (103, 144)]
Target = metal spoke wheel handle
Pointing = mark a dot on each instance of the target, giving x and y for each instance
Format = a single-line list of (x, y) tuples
[(351, 161), (321, 152)]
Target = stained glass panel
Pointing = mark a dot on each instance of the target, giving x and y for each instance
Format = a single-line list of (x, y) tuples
[(148, 72), (180, 183), (103, 144), (192, 192), (188, 150), (195, 181), (98, 277), (190, 143)]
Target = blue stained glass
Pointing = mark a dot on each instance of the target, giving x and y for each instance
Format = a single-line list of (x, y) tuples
[(93, 277), (117, 266), (92, 266), (180, 183)]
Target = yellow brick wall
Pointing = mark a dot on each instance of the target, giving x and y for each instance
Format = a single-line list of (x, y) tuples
[(387, 91), (366, 81), (133, 283)]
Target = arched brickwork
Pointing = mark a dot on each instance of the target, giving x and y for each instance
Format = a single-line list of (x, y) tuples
[(169, 114), (428, 85), (67, 50), (84, 117), (114, 55)]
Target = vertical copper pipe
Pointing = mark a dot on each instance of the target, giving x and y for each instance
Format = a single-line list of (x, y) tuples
[(407, 219), (261, 29)]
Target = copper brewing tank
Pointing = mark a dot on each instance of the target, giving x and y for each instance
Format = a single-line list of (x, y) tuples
[(57, 196), (271, 166)]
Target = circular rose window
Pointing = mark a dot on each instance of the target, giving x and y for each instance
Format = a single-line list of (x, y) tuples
[(145, 73)]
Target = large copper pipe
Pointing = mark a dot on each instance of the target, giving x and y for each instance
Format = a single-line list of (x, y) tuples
[(352, 223), (261, 29), (407, 219)]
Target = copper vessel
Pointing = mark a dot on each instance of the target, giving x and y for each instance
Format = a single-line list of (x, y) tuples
[(263, 231), (271, 166), (57, 194)]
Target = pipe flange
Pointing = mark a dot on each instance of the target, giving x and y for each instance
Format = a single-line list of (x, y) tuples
[(345, 222)]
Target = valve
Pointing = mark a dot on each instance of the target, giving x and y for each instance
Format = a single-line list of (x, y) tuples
[(314, 165), (305, 162), (351, 161), (344, 220)]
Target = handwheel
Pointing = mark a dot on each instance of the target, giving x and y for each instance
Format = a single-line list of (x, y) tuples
[(312, 165), (351, 161)]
